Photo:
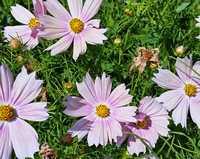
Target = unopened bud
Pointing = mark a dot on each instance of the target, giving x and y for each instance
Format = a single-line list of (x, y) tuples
[(153, 65), (128, 11), (67, 138), (15, 43), (68, 84), (117, 41), (180, 51), (19, 58)]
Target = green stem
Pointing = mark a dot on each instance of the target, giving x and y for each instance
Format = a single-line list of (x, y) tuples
[(136, 83), (29, 5), (120, 54)]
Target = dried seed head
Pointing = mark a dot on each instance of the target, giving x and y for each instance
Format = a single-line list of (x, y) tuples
[(67, 138)]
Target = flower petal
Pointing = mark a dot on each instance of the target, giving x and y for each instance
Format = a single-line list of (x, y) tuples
[(6, 145), (58, 11), (166, 79), (24, 139), (124, 114), (6, 83), (94, 36), (119, 97), (61, 45), (75, 7), (80, 46), (21, 14), (25, 89), (182, 70), (194, 110), (90, 9), (179, 114), (39, 7), (196, 67), (33, 111), (94, 22), (171, 99), (121, 139)]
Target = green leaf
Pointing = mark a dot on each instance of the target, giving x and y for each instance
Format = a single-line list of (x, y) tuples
[(182, 7), (107, 4)]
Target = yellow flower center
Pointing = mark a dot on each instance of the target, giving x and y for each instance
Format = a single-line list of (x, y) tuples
[(190, 89), (102, 111), (141, 124), (33, 22), (6, 112), (76, 25)]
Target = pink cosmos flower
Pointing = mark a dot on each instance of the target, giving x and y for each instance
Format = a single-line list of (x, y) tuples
[(76, 27), (184, 91), (27, 33), (15, 106), (198, 25), (151, 121), (102, 110)]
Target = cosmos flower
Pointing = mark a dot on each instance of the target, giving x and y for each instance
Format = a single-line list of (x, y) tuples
[(144, 57), (76, 27), (27, 33), (151, 121), (198, 25), (184, 93), (102, 110), (15, 106)]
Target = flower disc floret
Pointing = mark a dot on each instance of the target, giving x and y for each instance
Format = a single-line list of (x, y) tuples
[(33, 22), (190, 89), (76, 25), (102, 111), (6, 112), (141, 124)]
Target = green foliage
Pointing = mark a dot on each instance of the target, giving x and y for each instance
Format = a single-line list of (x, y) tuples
[(153, 24)]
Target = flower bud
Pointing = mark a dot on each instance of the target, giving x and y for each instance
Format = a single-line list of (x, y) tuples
[(15, 43), (67, 138), (179, 51), (19, 58), (68, 85), (117, 41), (128, 11), (153, 65)]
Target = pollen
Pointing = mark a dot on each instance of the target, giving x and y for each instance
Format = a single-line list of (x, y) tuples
[(6, 112), (76, 25), (147, 55), (141, 124), (33, 22), (102, 111), (190, 89)]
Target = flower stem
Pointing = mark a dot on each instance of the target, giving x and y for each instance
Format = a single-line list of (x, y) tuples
[(29, 5), (136, 83)]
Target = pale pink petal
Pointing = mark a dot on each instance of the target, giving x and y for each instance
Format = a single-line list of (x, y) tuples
[(134, 145), (21, 32), (32, 42), (160, 126), (74, 102), (196, 67), (39, 7), (87, 90), (58, 11), (54, 33), (151, 136), (51, 22), (197, 25), (194, 110), (79, 47), (182, 70), (119, 97), (103, 88), (6, 145), (94, 36), (179, 114), (198, 19), (114, 129), (6, 83), (171, 99), (21, 14), (198, 37), (167, 79), (121, 139), (24, 139), (94, 22), (34, 111), (82, 126), (75, 7), (25, 89), (124, 114), (61, 45), (90, 8)]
